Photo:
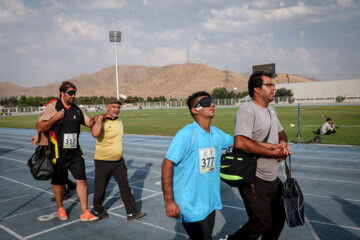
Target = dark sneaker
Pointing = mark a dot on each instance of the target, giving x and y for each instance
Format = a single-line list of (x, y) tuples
[(100, 214), (136, 215)]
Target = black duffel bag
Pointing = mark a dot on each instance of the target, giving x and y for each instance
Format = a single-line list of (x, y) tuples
[(237, 167), (293, 199), (40, 163)]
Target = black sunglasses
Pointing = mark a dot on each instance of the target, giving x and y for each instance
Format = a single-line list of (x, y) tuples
[(204, 102), (71, 93)]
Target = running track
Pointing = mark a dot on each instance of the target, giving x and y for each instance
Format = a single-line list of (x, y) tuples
[(328, 175)]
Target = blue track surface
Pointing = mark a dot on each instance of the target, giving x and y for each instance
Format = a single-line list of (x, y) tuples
[(328, 175)]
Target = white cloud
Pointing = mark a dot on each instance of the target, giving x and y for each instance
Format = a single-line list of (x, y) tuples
[(244, 18), (64, 38), (80, 29), (302, 34), (12, 11), (168, 55), (96, 5), (345, 3), (169, 35)]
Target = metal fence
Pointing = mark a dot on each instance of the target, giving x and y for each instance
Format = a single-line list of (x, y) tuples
[(182, 104)]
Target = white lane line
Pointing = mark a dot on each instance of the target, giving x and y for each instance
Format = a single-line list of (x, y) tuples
[(332, 168), (152, 225), (78, 220), (297, 158), (141, 199), (311, 229), (9, 199), (127, 144), (326, 179), (327, 152), (148, 159), (146, 144), (17, 168), (51, 229), (17, 142), (152, 159), (335, 225), (145, 179), (323, 196), (27, 185), (233, 207), (8, 230), (12, 159), (18, 149), (130, 184), (24, 213)]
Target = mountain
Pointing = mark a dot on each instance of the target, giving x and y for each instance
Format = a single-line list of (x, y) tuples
[(7, 89), (172, 81)]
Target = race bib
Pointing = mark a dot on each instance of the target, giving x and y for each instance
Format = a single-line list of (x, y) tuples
[(70, 140), (207, 160)]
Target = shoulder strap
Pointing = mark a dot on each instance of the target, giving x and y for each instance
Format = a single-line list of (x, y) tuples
[(288, 168), (267, 136)]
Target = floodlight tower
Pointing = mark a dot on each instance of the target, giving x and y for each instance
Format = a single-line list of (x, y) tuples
[(115, 36)]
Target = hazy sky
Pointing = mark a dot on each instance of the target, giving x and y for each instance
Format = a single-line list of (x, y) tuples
[(44, 41)]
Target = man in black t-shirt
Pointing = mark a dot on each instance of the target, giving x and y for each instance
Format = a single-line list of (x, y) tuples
[(64, 131)]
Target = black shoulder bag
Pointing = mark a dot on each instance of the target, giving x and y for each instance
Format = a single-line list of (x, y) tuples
[(40, 163), (237, 166), (293, 199)]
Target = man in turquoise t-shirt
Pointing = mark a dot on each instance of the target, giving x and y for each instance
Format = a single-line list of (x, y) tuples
[(191, 170)]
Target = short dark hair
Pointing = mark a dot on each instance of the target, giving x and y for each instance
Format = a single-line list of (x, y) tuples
[(328, 119), (256, 80), (191, 99), (65, 85), (113, 100)]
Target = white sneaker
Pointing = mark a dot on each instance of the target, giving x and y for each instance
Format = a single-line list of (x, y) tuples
[(226, 237)]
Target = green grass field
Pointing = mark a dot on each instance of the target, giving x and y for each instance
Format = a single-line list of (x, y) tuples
[(168, 122)]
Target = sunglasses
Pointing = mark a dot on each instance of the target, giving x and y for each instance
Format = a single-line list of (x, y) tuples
[(204, 102), (71, 93)]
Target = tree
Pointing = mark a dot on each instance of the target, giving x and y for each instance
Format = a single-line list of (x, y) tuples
[(241, 94), (9, 102), (222, 93), (284, 94), (22, 101)]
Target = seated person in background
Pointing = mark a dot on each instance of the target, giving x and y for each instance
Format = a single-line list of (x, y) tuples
[(327, 128)]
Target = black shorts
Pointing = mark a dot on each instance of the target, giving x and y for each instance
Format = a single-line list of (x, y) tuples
[(75, 163)]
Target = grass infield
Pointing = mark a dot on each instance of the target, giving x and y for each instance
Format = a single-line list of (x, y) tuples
[(167, 122)]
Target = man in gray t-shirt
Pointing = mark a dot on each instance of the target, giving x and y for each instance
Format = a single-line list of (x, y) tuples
[(258, 131)]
